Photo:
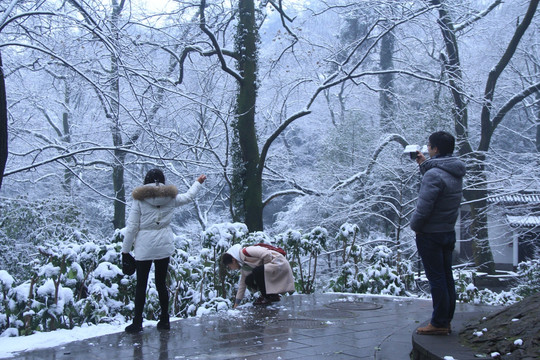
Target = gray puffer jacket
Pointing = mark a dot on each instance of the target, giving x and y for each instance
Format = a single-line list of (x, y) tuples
[(440, 195)]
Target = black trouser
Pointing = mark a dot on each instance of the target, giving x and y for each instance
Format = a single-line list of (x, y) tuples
[(255, 280), (435, 250), (143, 270)]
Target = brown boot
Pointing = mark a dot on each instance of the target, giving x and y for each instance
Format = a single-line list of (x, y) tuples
[(432, 330)]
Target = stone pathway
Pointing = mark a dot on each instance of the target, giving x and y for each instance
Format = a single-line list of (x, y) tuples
[(319, 326)]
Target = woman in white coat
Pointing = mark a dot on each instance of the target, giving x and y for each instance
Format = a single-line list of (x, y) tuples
[(148, 231)]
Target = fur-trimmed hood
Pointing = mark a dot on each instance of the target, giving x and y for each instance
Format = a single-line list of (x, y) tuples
[(150, 191)]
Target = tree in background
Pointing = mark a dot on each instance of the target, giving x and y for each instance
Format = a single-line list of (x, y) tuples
[(100, 90), (3, 123), (490, 118)]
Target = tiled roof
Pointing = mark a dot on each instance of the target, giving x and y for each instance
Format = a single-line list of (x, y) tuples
[(515, 199), (523, 220)]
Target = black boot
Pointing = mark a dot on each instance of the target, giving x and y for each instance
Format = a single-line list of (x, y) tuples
[(135, 327), (163, 323)]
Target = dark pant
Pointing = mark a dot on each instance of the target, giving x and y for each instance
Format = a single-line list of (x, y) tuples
[(435, 250), (143, 269), (255, 280)]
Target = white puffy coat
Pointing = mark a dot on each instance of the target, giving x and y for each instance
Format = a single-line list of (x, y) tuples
[(148, 225)]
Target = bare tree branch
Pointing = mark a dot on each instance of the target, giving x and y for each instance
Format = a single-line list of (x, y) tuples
[(215, 43), (395, 137), (480, 15)]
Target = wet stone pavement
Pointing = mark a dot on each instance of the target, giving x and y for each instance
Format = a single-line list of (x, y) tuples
[(319, 326)]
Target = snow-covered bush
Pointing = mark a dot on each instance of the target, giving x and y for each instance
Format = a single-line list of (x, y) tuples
[(467, 292), (302, 252), (75, 283), (222, 236), (202, 279), (369, 267), (346, 240), (71, 284), (6, 283), (528, 277), (375, 278), (26, 225)]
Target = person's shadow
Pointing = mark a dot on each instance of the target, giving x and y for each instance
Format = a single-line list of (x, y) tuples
[(139, 341), (164, 345), (137, 346)]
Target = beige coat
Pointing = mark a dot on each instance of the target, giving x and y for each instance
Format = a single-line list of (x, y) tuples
[(278, 275)]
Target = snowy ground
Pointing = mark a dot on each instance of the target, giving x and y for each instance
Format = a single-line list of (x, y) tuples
[(10, 345)]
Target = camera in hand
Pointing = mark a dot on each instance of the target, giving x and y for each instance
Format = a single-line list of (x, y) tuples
[(412, 150)]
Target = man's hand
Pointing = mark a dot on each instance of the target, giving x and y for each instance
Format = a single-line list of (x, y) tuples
[(420, 158)]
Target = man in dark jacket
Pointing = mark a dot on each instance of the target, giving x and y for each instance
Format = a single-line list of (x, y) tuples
[(433, 222)]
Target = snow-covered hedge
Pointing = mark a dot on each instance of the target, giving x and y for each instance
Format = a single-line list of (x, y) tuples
[(72, 284)]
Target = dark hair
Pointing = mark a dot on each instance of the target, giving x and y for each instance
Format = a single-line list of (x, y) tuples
[(443, 141), (226, 259), (154, 176)]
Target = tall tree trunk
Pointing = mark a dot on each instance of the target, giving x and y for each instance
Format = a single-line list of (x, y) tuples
[(3, 123), (477, 192), (386, 82), (477, 195), (537, 124), (66, 134), (119, 220), (247, 194)]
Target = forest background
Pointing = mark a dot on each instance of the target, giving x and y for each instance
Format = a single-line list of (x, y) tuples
[(298, 112)]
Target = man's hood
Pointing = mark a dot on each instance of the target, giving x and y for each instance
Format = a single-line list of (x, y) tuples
[(450, 164), (155, 195)]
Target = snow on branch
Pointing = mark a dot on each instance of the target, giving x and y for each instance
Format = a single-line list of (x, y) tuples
[(517, 98), (92, 149), (283, 193), (391, 138), (101, 96), (478, 16)]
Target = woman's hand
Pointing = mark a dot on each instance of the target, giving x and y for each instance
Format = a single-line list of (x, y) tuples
[(201, 178)]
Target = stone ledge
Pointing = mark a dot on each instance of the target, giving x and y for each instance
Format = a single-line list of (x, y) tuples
[(436, 347)]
